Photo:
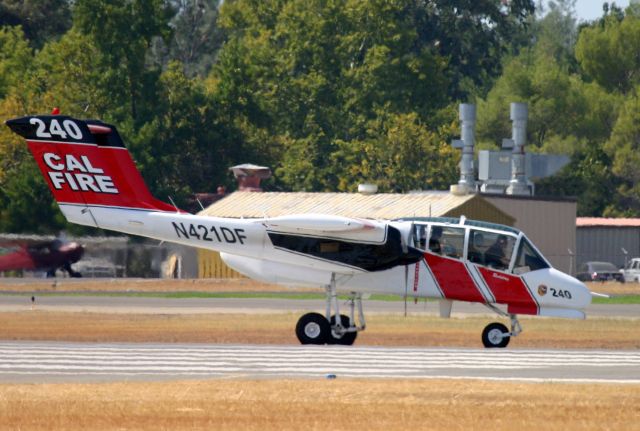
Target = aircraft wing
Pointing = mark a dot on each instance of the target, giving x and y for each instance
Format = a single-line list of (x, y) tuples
[(14, 256), (319, 223)]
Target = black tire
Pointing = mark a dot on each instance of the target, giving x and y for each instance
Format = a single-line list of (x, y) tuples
[(491, 338), (346, 339), (313, 328)]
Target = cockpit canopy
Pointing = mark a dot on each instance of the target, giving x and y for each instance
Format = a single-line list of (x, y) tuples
[(492, 245)]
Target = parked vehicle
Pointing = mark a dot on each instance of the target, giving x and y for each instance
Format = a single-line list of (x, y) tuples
[(599, 271), (631, 272)]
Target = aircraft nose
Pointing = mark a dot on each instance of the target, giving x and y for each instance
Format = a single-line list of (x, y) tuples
[(582, 295), (567, 291)]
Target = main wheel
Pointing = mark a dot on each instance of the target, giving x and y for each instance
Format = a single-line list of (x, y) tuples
[(492, 336), (313, 328), (345, 339)]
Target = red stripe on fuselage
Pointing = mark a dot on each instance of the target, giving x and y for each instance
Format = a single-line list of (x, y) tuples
[(453, 278), (511, 290)]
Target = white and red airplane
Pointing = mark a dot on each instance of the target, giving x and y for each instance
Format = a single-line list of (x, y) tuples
[(95, 182)]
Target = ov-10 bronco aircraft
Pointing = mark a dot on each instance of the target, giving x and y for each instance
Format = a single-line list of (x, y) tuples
[(95, 182), (48, 255)]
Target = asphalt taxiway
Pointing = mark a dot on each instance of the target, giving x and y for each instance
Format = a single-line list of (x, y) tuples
[(46, 362)]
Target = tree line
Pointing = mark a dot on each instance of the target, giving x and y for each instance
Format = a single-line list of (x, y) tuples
[(329, 93)]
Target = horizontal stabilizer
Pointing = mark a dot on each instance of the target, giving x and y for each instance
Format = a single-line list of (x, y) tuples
[(317, 223)]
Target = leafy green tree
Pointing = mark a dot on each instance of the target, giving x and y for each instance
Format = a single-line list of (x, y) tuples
[(624, 149), (588, 177), (196, 37), (123, 31), (75, 73), (313, 73), (473, 35), (186, 148), (25, 201), (567, 115), (556, 32), (607, 53), (399, 154), (15, 58), (553, 98), (41, 20)]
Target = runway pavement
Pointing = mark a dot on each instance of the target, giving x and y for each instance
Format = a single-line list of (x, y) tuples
[(42, 362), (129, 304), (36, 362)]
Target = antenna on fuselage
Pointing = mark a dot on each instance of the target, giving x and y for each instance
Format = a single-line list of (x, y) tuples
[(406, 288), (200, 203), (174, 204)]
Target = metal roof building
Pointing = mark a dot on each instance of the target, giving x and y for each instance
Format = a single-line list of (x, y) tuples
[(612, 240), (549, 223), (384, 206)]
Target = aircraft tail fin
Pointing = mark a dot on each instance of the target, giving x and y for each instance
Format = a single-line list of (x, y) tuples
[(85, 163)]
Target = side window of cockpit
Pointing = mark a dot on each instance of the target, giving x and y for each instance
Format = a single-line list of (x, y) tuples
[(499, 251), (435, 239), (528, 259), (447, 241), (420, 236), (477, 246)]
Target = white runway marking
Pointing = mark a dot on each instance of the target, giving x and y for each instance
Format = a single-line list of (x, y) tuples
[(51, 361)]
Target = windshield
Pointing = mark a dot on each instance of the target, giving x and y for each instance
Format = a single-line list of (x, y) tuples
[(528, 259)]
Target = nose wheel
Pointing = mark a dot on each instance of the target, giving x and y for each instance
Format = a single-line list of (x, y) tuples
[(496, 335)]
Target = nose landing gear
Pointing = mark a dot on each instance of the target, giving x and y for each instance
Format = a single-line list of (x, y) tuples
[(497, 335)]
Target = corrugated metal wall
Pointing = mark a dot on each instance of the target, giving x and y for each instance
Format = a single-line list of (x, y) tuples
[(550, 224), (480, 209), (605, 243), (210, 265)]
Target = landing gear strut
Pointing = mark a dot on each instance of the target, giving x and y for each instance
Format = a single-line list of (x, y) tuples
[(497, 335), (336, 328)]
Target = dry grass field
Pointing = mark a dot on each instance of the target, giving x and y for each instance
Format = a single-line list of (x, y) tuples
[(89, 285), (312, 404), (340, 404), (278, 328), (205, 285)]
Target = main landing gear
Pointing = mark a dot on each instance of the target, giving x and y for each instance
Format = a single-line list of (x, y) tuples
[(496, 334), (314, 328)]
